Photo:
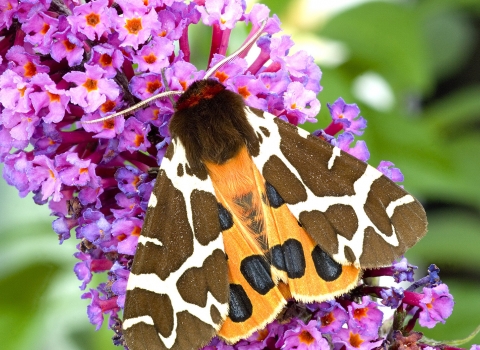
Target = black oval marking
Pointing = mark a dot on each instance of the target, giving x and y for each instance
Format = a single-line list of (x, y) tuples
[(256, 271), (240, 305), (226, 220), (294, 258), (276, 257), (180, 170), (274, 198), (327, 268)]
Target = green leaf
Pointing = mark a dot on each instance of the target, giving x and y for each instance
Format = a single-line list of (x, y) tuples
[(384, 37), (447, 227), (21, 292), (450, 37)]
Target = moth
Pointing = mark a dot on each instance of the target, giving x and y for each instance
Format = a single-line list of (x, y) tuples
[(248, 211)]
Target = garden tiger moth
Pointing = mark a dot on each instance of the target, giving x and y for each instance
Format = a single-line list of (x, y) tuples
[(248, 211)]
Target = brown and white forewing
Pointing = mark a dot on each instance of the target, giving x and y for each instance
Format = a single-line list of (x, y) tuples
[(177, 292), (355, 213)]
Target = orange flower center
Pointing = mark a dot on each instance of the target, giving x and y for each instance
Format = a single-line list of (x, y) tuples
[(30, 69), (360, 313), (243, 91), (107, 106), (138, 140), (53, 97), (184, 84), (306, 338), (150, 59), (90, 85), (134, 25), (222, 76), (22, 91), (355, 340), (92, 19), (153, 86), (68, 45), (45, 28), (105, 60), (327, 319), (109, 124), (136, 231), (135, 181)]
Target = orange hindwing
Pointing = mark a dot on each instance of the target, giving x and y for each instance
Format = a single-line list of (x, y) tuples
[(267, 249)]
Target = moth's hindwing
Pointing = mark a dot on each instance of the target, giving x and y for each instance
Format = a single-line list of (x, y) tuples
[(178, 291), (270, 256), (355, 213)]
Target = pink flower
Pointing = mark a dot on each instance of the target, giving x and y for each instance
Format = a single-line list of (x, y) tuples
[(92, 89), (437, 305), (365, 316), (356, 339), (305, 337), (92, 19), (136, 25)]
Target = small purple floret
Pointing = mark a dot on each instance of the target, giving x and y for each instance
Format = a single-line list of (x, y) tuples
[(437, 305)]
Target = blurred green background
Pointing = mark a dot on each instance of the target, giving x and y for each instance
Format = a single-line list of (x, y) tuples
[(413, 67)]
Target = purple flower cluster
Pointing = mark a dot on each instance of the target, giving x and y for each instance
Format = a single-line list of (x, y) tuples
[(64, 62), (356, 321)]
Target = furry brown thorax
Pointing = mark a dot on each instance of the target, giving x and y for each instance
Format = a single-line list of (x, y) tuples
[(211, 123)]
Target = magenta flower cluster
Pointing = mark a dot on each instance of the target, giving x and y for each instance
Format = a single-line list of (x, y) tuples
[(356, 320), (64, 61)]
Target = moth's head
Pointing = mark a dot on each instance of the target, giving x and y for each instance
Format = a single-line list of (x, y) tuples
[(211, 123), (201, 91)]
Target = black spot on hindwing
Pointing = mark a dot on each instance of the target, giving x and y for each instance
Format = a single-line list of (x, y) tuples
[(274, 198), (240, 306), (226, 220), (276, 257), (256, 270), (327, 268), (294, 258), (288, 257)]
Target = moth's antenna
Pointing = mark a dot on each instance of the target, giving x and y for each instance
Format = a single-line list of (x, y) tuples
[(165, 83), (132, 109), (246, 46)]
